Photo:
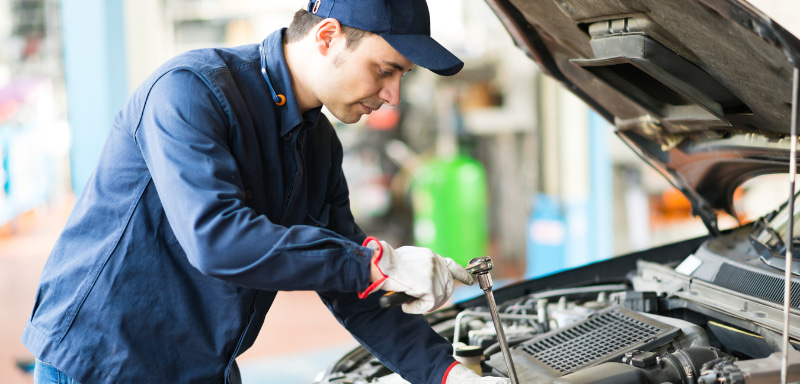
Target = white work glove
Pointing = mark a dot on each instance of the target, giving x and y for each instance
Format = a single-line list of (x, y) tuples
[(460, 374), (417, 272)]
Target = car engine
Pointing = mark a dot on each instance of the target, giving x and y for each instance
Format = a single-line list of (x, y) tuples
[(712, 316)]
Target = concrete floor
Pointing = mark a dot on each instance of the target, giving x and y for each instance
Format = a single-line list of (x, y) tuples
[(299, 338)]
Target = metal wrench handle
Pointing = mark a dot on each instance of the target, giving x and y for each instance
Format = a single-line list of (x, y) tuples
[(480, 267), (501, 337)]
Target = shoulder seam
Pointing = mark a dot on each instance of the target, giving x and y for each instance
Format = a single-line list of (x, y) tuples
[(202, 76)]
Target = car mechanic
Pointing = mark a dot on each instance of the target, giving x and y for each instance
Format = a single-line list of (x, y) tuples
[(220, 183)]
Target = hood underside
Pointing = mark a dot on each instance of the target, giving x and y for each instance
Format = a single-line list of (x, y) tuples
[(700, 89)]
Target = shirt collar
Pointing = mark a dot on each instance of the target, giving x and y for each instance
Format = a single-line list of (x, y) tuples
[(281, 79)]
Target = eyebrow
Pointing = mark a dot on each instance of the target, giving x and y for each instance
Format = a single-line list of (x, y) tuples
[(397, 66)]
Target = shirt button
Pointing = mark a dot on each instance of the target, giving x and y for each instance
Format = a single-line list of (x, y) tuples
[(288, 137)]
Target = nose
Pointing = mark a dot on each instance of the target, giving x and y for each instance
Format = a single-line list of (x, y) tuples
[(390, 92)]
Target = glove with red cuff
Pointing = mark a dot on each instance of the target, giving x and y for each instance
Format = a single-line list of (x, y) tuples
[(459, 374), (415, 271)]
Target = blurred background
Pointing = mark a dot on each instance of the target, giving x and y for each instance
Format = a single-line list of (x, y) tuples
[(497, 160)]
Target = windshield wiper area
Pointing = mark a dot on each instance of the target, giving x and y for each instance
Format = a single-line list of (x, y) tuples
[(771, 248)]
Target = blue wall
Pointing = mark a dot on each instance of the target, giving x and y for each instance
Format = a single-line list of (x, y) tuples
[(96, 77)]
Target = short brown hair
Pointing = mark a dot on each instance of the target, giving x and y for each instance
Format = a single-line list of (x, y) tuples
[(303, 22)]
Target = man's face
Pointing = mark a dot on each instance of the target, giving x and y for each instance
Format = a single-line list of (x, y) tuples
[(359, 81)]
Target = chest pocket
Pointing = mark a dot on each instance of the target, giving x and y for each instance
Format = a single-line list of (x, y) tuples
[(321, 220)]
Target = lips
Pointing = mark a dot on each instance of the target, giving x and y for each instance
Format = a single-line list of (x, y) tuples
[(367, 109)]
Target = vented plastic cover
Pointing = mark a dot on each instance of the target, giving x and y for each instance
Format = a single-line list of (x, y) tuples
[(605, 336), (754, 283)]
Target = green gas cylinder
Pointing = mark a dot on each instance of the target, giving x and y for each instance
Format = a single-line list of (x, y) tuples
[(449, 200)]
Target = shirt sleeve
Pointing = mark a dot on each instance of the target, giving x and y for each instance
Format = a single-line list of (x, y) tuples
[(184, 143), (405, 343)]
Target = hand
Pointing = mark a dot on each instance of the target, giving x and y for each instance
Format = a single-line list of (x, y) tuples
[(460, 374), (416, 271)]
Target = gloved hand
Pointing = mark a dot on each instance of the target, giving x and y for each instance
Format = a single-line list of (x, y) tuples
[(460, 374), (416, 271)]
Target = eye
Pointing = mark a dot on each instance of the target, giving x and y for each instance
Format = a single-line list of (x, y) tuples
[(384, 72)]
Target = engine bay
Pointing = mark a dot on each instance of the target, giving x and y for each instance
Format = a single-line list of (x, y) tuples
[(712, 316)]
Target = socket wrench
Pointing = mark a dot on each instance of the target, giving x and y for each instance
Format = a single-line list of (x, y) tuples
[(480, 267)]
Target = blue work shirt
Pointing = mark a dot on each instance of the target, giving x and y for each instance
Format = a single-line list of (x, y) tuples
[(207, 199)]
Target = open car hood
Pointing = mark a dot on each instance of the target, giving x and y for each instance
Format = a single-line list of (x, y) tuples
[(700, 89)]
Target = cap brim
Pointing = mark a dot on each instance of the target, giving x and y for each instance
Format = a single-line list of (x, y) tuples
[(424, 51)]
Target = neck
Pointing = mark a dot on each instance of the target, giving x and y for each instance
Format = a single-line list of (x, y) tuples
[(298, 67)]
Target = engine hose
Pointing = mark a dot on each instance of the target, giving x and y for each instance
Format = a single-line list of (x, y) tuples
[(512, 341), (683, 366)]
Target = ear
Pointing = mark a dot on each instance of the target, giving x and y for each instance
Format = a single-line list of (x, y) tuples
[(327, 33)]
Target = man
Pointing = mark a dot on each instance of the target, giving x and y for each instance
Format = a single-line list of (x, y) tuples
[(220, 183)]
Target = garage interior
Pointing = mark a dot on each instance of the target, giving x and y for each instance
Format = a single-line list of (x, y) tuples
[(561, 190)]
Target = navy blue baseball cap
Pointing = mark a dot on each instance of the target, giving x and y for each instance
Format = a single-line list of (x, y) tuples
[(404, 24)]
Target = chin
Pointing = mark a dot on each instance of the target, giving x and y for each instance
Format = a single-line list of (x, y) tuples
[(348, 118)]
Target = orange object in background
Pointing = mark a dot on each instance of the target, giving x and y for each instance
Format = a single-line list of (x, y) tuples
[(741, 215), (670, 206), (674, 200), (385, 118)]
